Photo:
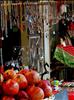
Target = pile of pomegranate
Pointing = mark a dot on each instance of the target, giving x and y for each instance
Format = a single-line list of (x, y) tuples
[(23, 85)]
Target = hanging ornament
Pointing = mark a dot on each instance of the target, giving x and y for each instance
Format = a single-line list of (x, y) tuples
[(21, 16), (5, 11), (9, 9), (17, 15), (2, 18), (13, 15), (50, 14)]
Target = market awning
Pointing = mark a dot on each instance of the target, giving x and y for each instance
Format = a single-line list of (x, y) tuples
[(65, 54)]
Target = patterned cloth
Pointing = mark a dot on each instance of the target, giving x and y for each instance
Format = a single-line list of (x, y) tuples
[(65, 54)]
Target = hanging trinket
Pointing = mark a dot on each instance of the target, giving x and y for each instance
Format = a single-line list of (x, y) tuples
[(17, 15), (13, 15), (2, 18), (21, 17), (9, 9), (5, 11)]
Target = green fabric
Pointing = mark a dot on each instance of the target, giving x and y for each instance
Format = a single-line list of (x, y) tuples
[(64, 57)]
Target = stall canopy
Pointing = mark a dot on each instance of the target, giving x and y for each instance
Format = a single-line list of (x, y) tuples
[(65, 54)]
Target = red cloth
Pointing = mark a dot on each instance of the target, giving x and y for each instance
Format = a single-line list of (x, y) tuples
[(68, 48), (71, 26), (71, 95)]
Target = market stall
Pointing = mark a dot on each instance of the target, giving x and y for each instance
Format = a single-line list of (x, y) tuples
[(65, 54)]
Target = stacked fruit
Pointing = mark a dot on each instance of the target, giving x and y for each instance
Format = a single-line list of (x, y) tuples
[(24, 85)]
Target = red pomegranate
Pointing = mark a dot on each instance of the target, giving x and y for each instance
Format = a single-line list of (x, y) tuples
[(9, 74), (45, 85), (47, 91), (8, 98), (1, 69), (22, 81), (32, 77), (36, 93), (1, 79), (1, 90), (11, 87), (23, 71), (22, 95)]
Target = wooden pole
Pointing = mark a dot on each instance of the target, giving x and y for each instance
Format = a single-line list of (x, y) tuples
[(46, 39)]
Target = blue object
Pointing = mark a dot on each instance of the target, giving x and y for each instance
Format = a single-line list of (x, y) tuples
[(61, 95)]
